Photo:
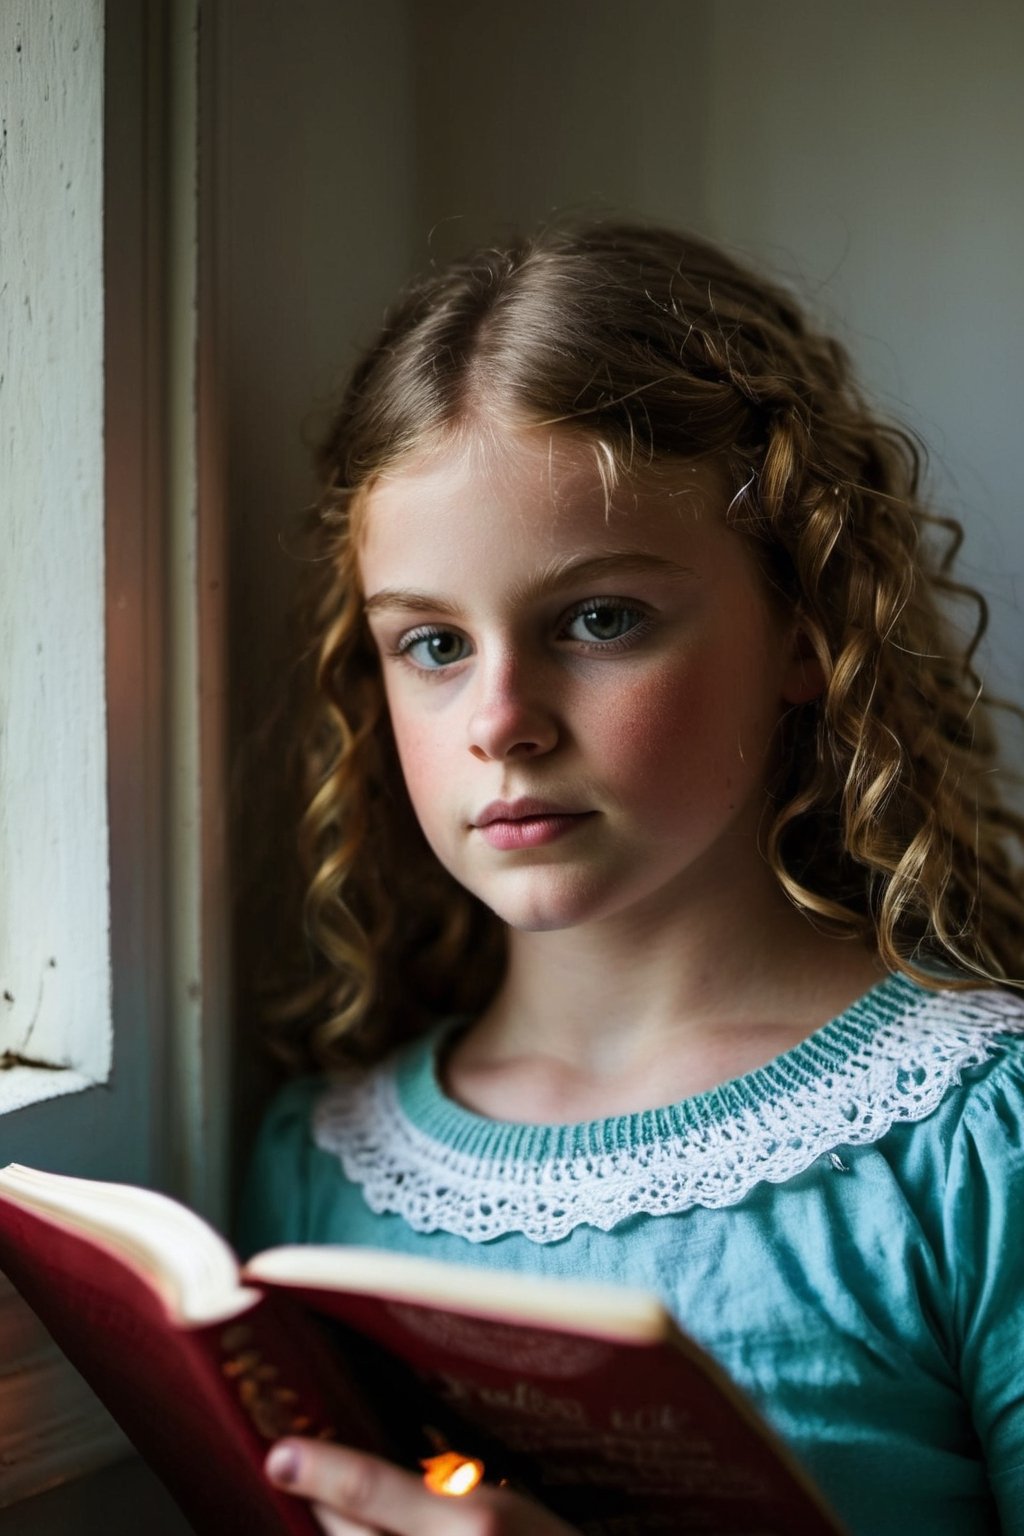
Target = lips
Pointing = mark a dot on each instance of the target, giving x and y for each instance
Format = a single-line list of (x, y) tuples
[(526, 823), (521, 810)]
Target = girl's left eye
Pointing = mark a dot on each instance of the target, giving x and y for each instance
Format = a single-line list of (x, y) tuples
[(603, 622)]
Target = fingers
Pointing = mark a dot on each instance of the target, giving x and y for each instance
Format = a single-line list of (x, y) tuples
[(354, 1494), (361, 1493), (337, 1525)]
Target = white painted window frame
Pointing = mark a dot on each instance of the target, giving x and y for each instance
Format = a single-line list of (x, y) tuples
[(161, 1118), (54, 907)]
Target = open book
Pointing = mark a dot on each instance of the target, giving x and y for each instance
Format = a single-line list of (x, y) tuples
[(587, 1396)]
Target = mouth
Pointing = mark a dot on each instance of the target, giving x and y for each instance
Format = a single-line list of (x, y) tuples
[(527, 823)]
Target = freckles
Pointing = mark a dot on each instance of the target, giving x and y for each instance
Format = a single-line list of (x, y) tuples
[(673, 739), (657, 729), (417, 779), (417, 752)]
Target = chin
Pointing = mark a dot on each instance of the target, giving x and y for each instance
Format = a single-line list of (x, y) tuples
[(540, 922), (545, 911)]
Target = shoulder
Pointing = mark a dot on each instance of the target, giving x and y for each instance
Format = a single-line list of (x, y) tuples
[(280, 1169), (949, 1026), (932, 1083), (989, 1008), (992, 1105), (969, 1040), (961, 1086), (973, 1167), (905, 1054), (976, 1035), (288, 1114)]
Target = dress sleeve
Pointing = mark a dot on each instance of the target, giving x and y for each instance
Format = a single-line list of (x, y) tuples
[(276, 1192), (984, 1206)]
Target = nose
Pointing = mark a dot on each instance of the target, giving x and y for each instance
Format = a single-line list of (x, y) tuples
[(511, 715)]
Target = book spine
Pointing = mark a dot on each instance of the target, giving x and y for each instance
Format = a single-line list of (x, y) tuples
[(290, 1375), (201, 1404)]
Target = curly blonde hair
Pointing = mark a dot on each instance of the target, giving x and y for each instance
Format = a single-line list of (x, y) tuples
[(885, 818)]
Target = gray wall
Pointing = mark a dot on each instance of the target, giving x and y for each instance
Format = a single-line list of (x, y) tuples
[(313, 159), (876, 152), (527, 110)]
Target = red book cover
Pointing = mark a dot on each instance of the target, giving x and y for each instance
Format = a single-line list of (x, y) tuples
[(588, 1397), (619, 1436), (201, 1404)]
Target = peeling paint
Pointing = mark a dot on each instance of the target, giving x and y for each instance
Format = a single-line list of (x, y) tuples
[(53, 814)]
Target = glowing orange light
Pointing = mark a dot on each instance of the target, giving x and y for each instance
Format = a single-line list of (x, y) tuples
[(452, 1474)]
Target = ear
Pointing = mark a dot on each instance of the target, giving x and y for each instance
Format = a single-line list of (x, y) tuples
[(804, 677)]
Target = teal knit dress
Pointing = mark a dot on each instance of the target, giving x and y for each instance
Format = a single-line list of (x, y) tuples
[(843, 1229)]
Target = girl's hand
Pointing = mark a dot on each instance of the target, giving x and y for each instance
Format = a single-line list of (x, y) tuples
[(354, 1494)]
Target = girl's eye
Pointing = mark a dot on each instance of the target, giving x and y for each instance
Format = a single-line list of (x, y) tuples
[(432, 649), (603, 622)]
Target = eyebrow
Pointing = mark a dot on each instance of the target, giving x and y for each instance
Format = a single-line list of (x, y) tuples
[(562, 573)]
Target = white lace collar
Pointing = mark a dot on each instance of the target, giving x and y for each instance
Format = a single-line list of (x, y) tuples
[(891, 1057)]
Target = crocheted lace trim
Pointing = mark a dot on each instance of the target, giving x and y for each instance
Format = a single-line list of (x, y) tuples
[(900, 1073)]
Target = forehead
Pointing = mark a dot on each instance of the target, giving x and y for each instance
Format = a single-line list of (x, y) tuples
[(526, 496)]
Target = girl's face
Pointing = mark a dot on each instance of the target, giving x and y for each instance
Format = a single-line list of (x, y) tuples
[(583, 696)]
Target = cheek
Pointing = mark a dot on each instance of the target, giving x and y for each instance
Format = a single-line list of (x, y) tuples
[(421, 755), (640, 735), (658, 714), (679, 734)]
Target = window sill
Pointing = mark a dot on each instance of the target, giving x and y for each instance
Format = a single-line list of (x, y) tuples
[(22, 1086), (52, 1426), (120, 1500)]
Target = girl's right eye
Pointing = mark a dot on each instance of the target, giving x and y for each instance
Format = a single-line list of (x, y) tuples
[(432, 649)]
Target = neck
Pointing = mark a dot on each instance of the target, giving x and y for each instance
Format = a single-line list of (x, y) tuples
[(632, 1012)]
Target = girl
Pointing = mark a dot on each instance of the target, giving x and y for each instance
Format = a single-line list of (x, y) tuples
[(655, 849)]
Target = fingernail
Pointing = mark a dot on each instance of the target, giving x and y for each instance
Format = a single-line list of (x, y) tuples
[(282, 1464)]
